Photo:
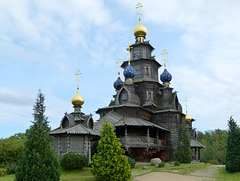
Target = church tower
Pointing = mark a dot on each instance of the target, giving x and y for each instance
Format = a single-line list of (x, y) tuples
[(146, 113)]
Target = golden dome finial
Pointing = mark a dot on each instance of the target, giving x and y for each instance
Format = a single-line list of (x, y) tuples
[(164, 58), (187, 117), (140, 31), (77, 100)]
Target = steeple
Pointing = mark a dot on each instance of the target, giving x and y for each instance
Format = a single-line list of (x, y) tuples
[(129, 72), (165, 77), (77, 100), (140, 31), (187, 117)]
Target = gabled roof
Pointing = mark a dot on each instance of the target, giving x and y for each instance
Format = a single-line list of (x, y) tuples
[(77, 129), (137, 122), (118, 120), (111, 117), (149, 103), (196, 144), (118, 105)]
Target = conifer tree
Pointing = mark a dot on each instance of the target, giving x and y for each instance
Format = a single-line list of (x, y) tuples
[(233, 147), (110, 163), (39, 160), (183, 153)]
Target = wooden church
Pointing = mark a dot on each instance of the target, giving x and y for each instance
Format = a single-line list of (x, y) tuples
[(146, 113)]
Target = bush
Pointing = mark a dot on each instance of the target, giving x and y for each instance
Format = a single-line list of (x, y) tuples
[(110, 163), (71, 161), (10, 168), (176, 163), (2, 172), (162, 164), (132, 162)]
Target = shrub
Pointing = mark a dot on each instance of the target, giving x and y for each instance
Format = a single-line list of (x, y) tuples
[(132, 162), (110, 163), (2, 172), (176, 163), (10, 168), (162, 164), (71, 161)]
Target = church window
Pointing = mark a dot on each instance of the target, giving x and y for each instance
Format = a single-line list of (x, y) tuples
[(147, 70), (149, 95)]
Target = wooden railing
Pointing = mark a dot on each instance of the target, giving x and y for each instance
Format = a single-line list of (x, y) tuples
[(141, 141)]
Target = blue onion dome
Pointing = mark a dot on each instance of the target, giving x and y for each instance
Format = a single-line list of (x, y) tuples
[(165, 77), (117, 83), (129, 72)]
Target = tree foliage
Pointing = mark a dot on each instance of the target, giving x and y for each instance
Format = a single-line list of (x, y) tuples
[(215, 145), (39, 160), (110, 163), (10, 149), (233, 147), (183, 153)]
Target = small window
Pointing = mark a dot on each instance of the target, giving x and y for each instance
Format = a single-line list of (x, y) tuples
[(149, 95), (147, 70)]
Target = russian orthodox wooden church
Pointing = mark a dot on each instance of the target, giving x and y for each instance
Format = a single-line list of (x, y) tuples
[(146, 114)]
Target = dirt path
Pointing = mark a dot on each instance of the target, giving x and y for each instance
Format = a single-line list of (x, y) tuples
[(199, 175), (210, 172)]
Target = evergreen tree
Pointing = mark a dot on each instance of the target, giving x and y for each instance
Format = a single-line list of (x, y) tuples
[(183, 153), (110, 163), (233, 147), (39, 160)]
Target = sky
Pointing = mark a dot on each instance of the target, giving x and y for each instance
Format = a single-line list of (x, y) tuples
[(44, 43)]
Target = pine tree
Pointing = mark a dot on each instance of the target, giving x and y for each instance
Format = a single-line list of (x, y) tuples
[(110, 163), (233, 147), (183, 153), (39, 160)]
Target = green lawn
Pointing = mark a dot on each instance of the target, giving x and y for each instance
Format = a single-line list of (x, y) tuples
[(224, 175), (184, 169)]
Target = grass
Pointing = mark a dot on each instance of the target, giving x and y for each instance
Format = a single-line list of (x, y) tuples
[(225, 175), (184, 169)]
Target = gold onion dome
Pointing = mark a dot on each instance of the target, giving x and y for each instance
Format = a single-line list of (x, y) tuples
[(140, 30), (77, 100), (188, 118)]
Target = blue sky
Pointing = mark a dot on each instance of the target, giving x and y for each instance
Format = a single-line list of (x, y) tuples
[(43, 43)]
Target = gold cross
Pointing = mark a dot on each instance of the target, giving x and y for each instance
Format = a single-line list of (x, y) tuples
[(139, 6), (164, 58), (118, 62), (128, 49), (78, 73), (185, 100)]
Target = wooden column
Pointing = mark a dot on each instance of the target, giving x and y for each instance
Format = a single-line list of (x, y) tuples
[(59, 146), (147, 138), (199, 154), (68, 144), (126, 140), (89, 151), (157, 140), (85, 147)]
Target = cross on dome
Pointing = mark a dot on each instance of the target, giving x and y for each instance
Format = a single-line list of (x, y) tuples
[(164, 58)]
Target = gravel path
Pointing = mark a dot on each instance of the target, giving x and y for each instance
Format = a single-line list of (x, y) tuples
[(205, 174)]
